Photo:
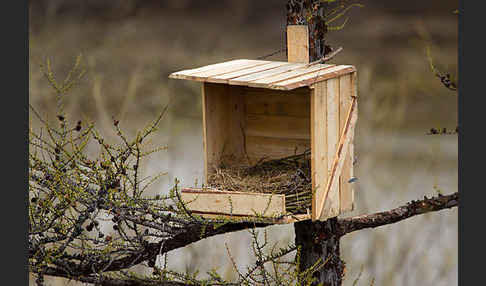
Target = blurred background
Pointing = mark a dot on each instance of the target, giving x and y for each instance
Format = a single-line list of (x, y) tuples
[(130, 47)]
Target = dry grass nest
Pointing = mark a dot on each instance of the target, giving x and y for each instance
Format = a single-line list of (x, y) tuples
[(290, 176)]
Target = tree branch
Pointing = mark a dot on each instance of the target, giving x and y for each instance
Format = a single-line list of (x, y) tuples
[(326, 58), (108, 281), (411, 209), (346, 225), (194, 233), (190, 235)]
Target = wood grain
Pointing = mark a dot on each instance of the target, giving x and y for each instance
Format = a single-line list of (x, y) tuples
[(345, 188), (277, 126), (236, 203), (264, 74), (319, 145), (295, 103), (224, 78), (338, 162), (298, 43), (223, 124), (267, 148), (291, 74), (331, 197), (247, 79), (184, 73), (312, 78), (237, 66)]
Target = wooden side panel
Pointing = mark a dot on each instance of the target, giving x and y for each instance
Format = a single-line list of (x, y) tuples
[(298, 43), (318, 109), (235, 203), (345, 188), (236, 123), (338, 162), (214, 108), (223, 124), (332, 204), (354, 86), (351, 172)]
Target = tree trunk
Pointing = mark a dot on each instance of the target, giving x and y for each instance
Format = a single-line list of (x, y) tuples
[(317, 240), (310, 13)]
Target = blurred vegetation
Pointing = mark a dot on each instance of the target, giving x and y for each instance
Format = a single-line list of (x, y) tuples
[(131, 55)]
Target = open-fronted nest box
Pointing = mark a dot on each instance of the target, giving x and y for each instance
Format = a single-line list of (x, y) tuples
[(278, 137)]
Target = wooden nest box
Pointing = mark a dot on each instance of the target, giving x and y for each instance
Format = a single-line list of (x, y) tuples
[(256, 110)]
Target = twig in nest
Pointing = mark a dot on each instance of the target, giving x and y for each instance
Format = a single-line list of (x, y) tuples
[(326, 58)]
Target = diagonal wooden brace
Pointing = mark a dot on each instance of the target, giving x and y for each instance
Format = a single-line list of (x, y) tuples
[(339, 158)]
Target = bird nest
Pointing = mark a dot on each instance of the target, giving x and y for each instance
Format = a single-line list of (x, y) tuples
[(290, 176)]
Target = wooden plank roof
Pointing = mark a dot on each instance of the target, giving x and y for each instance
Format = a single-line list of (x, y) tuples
[(264, 74)]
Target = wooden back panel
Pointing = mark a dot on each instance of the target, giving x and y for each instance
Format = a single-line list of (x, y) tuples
[(277, 123), (244, 125)]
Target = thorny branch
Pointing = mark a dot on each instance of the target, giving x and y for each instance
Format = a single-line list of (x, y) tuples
[(449, 82)]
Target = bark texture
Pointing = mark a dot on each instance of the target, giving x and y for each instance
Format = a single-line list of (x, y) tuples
[(320, 240), (413, 208), (310, 13)]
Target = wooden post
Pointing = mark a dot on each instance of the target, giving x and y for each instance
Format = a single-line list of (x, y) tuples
[(310, 13), (317, 239), (297, 44)]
